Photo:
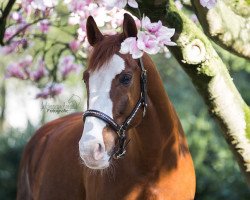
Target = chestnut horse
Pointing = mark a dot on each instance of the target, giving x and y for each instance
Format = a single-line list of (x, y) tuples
[(72, 157)]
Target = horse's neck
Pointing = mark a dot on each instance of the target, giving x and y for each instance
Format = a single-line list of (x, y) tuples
[(159, 138)]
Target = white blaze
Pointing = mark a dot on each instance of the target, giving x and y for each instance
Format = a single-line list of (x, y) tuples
[(100, 82)]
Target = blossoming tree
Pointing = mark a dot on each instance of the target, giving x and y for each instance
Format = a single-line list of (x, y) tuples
[(27, 27)]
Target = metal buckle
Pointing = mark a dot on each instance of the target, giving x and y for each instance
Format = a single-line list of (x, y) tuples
[(120, 155), (144, 111), (144, 76), (122, 144), (121, 132)]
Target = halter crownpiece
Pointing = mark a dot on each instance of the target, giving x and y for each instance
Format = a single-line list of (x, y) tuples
[(121, 129)]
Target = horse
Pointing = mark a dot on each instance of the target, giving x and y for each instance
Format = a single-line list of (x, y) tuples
[(86, 158)]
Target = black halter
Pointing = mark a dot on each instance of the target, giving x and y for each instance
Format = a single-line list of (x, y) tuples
[(121, 129)]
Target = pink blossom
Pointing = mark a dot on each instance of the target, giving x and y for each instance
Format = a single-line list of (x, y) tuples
[(67, 66), (20, 69), (82, 30), (76, 5), (17, 16), (43, 4), (12, 30), (164, 35), (40, 72), (101, 16), (151, 27), (74, 45), (82, 8), (74, 19), (81, 34), (208, 3), (120, 3), (14, 46), (9, 48), (109, 32), (44, 25), (26, 62), (129, 45), (51, 90), (117, 17), (83, 25), (148, 43), (26, 6), (86, 46), (14, 70), (133, 3)]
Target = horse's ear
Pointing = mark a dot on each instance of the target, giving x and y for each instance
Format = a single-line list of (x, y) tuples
[(94, 35), (129, 26)]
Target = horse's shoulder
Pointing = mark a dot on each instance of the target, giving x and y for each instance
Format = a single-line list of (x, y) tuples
[(51, 145), (68, 127)]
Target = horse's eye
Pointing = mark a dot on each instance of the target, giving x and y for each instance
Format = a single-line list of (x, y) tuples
[(125, 79)]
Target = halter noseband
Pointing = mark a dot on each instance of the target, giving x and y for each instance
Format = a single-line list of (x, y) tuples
[(121, 129)]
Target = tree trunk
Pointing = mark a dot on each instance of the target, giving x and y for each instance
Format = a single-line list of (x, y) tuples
[(3, 17), (210, 76), (228, 26)]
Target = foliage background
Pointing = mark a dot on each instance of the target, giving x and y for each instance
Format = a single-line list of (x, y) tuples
[(218, 176)]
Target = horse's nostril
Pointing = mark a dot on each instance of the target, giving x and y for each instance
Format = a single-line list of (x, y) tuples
[(98, 151), (99, 147)]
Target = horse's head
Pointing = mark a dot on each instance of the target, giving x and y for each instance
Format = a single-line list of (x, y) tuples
[(113, 87)]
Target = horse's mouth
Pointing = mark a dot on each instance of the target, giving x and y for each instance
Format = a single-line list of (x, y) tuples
[(100, 164), (97, 167)]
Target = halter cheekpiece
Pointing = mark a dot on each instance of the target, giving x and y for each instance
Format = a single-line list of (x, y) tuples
[(121, 129)]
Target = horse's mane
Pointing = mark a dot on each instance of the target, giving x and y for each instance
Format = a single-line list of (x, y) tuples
[(104, 50)]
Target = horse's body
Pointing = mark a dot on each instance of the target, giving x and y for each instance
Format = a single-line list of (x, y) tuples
[(157, 164)]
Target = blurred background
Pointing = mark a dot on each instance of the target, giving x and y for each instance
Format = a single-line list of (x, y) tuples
[(218, 176)]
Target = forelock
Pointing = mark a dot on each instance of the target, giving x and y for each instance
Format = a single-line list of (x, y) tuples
[(104, 50)]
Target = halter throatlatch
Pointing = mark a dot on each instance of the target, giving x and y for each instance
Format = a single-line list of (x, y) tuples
[(121, 129)]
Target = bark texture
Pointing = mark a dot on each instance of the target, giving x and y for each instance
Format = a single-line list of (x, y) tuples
[(228, 24), (3, 17), (210, 76)]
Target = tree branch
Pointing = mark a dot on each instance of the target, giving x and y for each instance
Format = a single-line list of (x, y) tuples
[(3, 19), (211, 78), (23, 29), (226, 25)]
